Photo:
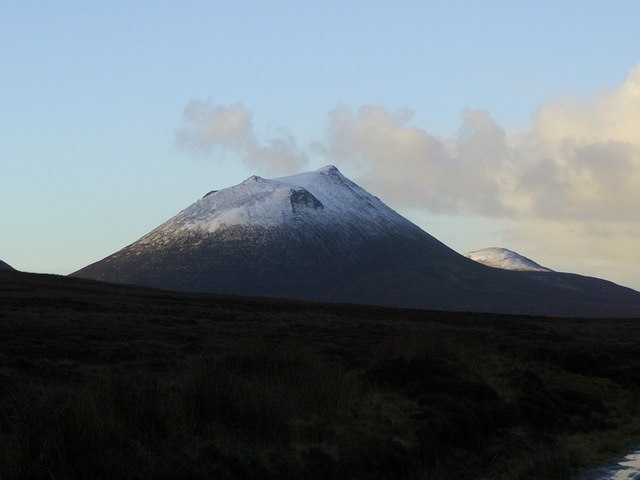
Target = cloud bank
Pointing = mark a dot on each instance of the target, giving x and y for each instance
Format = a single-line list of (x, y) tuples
[(413, 168), (210, 128), (579, 160)]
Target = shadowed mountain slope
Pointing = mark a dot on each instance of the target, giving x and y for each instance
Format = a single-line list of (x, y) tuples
[(5, 266)]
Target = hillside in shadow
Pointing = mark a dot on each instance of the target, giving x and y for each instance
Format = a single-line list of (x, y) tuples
[(112, 381)]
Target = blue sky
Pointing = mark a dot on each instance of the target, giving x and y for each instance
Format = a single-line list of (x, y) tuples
[(92, 96)]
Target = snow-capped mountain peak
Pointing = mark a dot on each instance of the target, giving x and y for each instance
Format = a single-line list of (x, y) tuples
[(506, 259), (321, 197)]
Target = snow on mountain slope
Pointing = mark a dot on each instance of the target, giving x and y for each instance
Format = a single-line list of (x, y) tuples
[(506, 259), (320, 198)]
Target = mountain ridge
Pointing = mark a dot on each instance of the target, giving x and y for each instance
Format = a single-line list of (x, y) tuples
[(319, 236)]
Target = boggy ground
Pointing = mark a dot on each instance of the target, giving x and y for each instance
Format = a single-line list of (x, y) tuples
[(107, 381)]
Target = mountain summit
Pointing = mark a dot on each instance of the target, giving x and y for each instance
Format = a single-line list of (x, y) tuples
[(319, 236), (319, 200)]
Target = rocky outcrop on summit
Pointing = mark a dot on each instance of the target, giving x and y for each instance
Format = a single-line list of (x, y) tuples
[(319, 236)]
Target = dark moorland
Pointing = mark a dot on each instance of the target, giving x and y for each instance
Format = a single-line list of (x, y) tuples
[(108, 381)]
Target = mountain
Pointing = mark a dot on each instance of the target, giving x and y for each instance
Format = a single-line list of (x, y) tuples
[(5, 266), (319, 236), (507, 259)]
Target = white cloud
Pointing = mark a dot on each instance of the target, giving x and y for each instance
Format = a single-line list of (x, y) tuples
[(413, 168), (209, 127), (580, 160), (591, 150)]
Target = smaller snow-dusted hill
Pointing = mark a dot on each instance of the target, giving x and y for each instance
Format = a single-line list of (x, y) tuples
[(506, 259), (5, 266)]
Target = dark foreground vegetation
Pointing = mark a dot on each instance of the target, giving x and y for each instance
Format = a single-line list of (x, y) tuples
[(105, 381)]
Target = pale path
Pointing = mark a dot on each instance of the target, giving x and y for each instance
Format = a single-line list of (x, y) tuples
[(627, 468)]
